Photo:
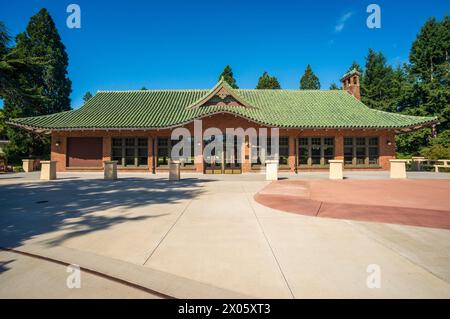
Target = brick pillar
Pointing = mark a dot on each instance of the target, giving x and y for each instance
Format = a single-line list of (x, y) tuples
[(58, 152), (246, 151), (292, 152), (106, 148), (339, 146), (151, 152), (198, 158), (387, 148)]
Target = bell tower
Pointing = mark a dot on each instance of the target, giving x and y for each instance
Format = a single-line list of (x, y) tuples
[(350, 83)]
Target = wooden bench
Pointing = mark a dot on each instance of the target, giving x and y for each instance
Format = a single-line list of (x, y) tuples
[(417, 163), (443, 165)]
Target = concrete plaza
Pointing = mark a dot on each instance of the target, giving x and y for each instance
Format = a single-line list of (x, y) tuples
[(206, 236)]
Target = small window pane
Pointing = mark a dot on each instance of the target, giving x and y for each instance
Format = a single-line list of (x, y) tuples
[(328, 141), (328, 152), (348, 155), (142, 160), (116, 142), (373, 141), (130, 142), (303, 155), (315, 154), (142, 142), (360, 141), (129, 152), (373, 155), (163, 141), (348, 141), (129, 161), (142, 152), (284, 141), (360, 155), (303, 141)]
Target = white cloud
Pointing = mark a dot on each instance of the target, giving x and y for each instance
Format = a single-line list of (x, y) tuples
[(341, 22)]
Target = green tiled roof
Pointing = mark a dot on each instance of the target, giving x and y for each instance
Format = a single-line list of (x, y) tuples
[(168, 108)]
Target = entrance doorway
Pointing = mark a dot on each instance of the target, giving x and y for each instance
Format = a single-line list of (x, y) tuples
[(223, 161)]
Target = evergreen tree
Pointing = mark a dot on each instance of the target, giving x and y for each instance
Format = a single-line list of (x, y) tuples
[(87, 96), (427, 90), (227, 75), (43, 88), (12, 66), (429, 54), (333, 86), (268, 82), (356, 66), (41, 38), (5, 67), (309, 81), (377, 85)]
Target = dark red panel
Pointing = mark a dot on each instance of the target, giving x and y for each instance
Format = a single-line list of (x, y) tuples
[(84, 151)]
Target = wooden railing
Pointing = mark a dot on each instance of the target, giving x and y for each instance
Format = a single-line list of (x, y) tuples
[(421, 163)]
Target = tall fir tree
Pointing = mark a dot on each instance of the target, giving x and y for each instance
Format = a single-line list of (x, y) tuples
[(355, 66), (427, 92), (43, 89), (87, 96), (227, 75), (377, 86), (13, 66), (268, 82), (333, 86), (309, 81)]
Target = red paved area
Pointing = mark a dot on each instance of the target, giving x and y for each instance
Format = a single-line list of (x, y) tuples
[(409, 202)]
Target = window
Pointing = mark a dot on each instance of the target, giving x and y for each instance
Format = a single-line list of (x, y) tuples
[(162, 151), (283, 150), (361, 151), (303, 150), (130, 151), (315, 151), (164, 148)]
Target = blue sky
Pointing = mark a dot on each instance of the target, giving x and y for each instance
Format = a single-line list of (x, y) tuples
[(185, 44)]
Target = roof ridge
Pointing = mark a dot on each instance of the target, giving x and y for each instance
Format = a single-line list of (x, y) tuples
[(199, 90), (149, 90)]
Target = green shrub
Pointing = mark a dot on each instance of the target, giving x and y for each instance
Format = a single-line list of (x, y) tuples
[(17, 169), (436, 152)]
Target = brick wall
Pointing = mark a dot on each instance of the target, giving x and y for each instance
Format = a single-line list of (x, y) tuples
[(221, 121)]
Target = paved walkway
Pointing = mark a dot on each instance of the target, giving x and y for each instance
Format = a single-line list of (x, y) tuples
[(209, 230)]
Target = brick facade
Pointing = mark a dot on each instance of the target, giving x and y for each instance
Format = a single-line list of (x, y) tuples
[(221, 121)]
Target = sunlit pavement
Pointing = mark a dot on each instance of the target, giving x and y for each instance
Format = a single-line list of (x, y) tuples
[(209, 230)]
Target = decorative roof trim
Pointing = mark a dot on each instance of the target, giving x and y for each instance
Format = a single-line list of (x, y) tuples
[(221, 85)]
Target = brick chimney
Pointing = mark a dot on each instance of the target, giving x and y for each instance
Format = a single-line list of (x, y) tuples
[(350, 83)]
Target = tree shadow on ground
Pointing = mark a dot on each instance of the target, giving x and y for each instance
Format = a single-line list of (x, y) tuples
[(4, 265), (31, 209)]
